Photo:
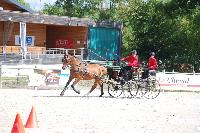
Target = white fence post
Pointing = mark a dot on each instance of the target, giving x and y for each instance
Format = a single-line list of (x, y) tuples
[(82, 52), (0, 76)]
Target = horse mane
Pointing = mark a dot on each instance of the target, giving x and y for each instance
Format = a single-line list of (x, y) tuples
[(72, 56)]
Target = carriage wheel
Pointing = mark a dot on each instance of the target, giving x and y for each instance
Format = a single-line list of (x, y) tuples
[(153, 89), (126, 87), (114, 90), (133, 88), (141, 90)]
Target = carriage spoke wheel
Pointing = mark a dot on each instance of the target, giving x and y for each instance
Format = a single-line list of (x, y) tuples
[(126, 89), (114, 90), (141, 88), (153, 89), (133, 88)]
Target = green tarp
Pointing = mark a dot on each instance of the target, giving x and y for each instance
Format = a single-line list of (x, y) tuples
[(103, 43)]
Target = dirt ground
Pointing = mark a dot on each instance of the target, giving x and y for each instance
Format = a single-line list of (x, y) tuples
[(170, 112)]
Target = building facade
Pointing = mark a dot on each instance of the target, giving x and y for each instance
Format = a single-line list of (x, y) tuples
[(50, 31)]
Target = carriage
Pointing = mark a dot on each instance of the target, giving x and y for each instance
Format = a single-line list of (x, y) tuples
[(136, 82)]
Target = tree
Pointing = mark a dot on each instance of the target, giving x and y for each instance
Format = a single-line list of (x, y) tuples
[(74, 8), (52, 9), (83, 8), (23, 3)]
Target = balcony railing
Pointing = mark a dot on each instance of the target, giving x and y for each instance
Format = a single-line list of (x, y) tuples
[(15, 53)]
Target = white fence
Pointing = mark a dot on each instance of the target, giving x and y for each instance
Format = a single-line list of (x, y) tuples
[(179, 81), (37, 75), (60, 51), (50, 53), (53, 75)]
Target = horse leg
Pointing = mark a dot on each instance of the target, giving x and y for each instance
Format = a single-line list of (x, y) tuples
[(101, 85), (68, 82), (74, 83), (93, 87)]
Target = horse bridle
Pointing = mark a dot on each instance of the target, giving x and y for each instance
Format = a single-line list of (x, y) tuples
[(66, 60)]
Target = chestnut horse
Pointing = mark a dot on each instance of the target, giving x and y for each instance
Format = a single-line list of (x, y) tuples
[(83, 71)]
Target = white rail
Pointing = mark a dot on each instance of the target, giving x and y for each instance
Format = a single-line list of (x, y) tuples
[(54, 53), (60, 51)]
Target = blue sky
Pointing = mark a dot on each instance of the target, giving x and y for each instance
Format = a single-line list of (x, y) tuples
[(38, 4)]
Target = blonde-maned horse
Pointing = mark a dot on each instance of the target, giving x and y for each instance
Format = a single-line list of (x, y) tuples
[(83, 71)]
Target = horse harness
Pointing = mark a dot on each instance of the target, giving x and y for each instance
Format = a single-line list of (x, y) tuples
[(82, 67)]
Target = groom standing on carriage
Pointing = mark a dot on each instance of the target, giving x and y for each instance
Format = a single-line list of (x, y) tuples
[(152, 64), (151, 67)]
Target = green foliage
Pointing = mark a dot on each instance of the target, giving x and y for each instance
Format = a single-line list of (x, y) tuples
[(15, 82), (23, 3), (75, 8), (53, 10)]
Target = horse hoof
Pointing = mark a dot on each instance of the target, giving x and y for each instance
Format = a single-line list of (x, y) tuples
[(101, 95), (62, 93), (76, 91)]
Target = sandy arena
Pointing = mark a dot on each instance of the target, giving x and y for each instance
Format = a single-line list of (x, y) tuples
[(170, 112)]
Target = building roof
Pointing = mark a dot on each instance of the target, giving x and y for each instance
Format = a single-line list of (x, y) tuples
[(25, 8), (31, 16), (17, 16)]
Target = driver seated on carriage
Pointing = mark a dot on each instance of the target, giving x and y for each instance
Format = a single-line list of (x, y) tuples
[(132, 60)]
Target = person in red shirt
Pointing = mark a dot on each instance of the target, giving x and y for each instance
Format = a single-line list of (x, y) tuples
[(152, 63), (132, 61), (152, 66)]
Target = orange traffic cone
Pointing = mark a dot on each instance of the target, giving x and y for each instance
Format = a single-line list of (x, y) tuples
[(18, 125), (32, 119)]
